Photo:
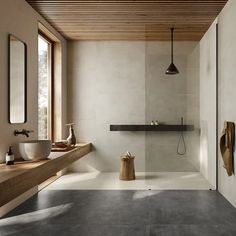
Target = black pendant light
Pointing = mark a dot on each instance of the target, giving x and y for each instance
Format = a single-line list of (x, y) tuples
[(172, 70)]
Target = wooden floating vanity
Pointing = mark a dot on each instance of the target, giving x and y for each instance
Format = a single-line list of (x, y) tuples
[(160, 127), (23, 176)]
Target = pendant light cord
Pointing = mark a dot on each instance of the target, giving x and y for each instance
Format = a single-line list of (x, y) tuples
[(172, 39)]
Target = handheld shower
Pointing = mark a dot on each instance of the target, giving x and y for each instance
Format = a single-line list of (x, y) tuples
[(181, 138)]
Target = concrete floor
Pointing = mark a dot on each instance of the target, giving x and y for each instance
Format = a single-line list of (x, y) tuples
[(144, 181), (122, 213)]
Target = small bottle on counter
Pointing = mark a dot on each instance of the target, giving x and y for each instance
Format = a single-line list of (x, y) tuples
[(152, 123), (9, 157), (156, 122)]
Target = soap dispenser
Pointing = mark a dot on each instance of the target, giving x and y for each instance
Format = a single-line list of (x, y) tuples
[(71, 138), (9, 157)]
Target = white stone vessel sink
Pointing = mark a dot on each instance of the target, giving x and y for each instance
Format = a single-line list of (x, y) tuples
[(35, 149)]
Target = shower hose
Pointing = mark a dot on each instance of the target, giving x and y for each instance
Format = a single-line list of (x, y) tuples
[(181, 139)]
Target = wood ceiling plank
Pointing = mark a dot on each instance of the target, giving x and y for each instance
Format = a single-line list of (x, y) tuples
[(129, 19)]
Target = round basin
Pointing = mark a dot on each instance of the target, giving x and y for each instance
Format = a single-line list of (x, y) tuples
[(35, 149)]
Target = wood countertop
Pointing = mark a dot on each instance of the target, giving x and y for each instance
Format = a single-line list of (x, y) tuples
[(23, 175)]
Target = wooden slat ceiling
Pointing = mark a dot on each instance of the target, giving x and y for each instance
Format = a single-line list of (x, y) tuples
[(129, 19)]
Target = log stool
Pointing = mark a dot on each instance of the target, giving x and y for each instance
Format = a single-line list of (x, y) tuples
[(127, 171)]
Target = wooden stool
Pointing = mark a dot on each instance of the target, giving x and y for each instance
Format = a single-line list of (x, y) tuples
[(127, 171)]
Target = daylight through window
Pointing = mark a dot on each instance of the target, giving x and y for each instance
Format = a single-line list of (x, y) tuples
[(44, 88)]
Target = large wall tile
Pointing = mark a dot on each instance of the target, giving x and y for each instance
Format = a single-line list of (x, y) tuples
[(123, 82)]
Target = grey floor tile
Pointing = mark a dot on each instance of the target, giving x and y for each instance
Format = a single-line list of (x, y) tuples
[(45, 229), (190, 207), (81, 230), (98, 212), (111, 230), (98, 207), (192, 230)]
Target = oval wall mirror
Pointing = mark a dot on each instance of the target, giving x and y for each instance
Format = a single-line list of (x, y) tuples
[(17, 80)]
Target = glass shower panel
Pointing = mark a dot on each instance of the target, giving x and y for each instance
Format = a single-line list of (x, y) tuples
[(170, 98)]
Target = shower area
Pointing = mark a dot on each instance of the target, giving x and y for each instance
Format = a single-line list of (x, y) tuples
[(122, 84), (173, 99)]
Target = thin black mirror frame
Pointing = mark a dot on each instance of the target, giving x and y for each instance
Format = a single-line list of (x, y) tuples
[(9, 79)]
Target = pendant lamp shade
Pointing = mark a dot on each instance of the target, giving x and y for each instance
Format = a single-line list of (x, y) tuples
[(172, 69)]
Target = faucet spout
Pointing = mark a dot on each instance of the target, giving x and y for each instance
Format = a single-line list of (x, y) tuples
[(26, 134)]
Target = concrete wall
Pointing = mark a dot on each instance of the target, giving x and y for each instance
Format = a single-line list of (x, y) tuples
[(227, 88), (226, 96), (124, 82), (19, 19), (208, 104), (106, 85), (168, 98)]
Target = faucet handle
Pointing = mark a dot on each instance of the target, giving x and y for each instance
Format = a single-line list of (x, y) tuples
[(16, 132)]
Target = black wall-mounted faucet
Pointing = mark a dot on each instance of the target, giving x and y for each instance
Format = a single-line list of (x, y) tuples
[(23, 132)]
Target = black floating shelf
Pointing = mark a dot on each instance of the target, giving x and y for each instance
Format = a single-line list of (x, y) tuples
[(151, 127)]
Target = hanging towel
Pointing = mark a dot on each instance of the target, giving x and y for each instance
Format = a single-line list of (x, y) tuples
[(227, 146)]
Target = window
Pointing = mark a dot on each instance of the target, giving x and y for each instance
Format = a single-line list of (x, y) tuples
[(44, 88), (51, 118)]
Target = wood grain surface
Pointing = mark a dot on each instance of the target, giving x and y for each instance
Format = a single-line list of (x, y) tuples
[(18, 178), (129, 19)]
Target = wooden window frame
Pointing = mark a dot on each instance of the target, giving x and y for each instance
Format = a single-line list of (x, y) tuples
[(58, 93)]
